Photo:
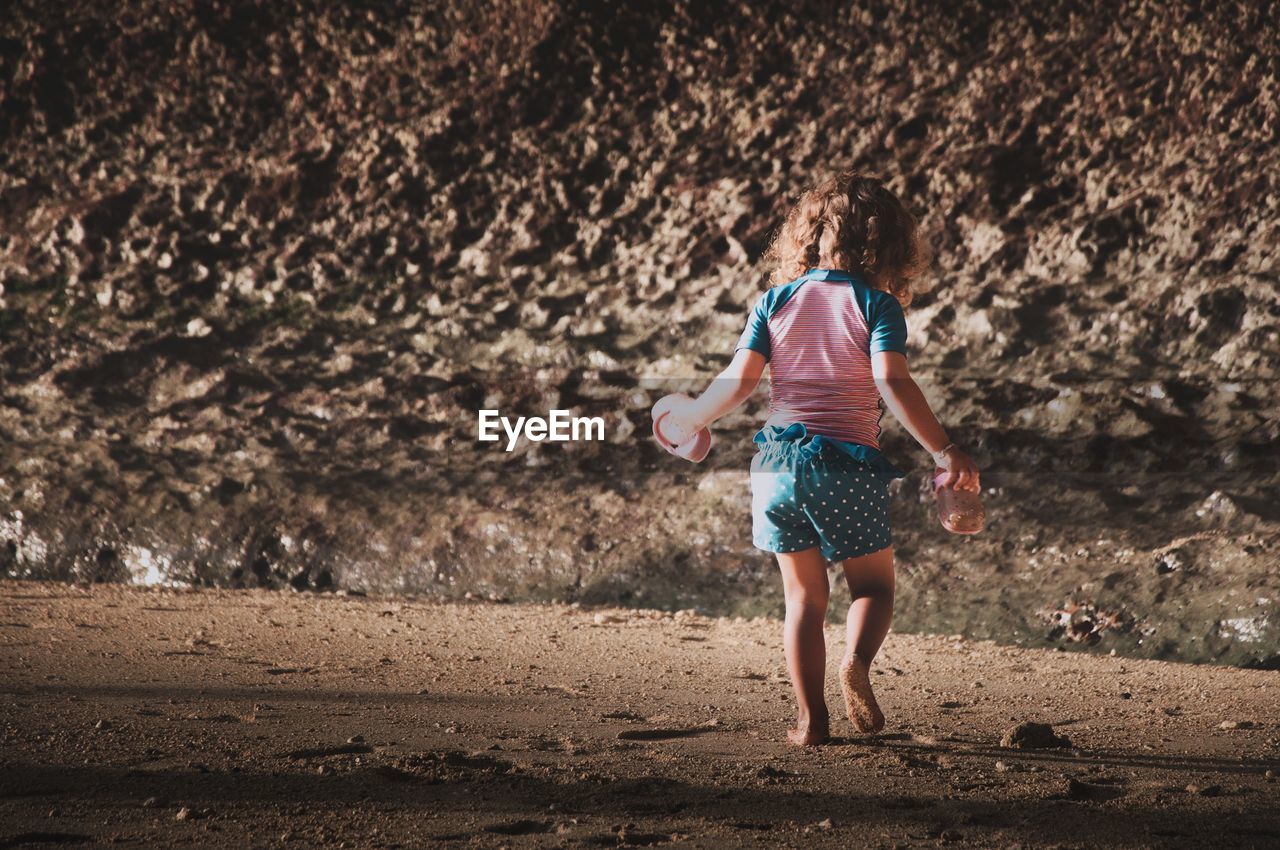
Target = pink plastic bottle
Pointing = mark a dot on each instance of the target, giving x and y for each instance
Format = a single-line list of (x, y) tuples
[(960, 511)]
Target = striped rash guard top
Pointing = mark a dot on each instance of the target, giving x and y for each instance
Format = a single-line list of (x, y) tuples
[(818, 333)]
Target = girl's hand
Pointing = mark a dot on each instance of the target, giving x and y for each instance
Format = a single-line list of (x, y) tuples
[(679, 425), (962, 471), (902, 395)]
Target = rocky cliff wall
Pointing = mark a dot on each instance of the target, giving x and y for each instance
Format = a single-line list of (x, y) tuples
[(262, 263)]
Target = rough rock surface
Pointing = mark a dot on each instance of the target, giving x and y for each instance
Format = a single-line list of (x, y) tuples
[(262, 262)]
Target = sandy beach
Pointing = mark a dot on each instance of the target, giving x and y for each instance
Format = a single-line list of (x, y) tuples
[(140, 717)]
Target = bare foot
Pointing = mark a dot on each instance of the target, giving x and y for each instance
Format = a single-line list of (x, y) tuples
[(859, 701), (809, 733)]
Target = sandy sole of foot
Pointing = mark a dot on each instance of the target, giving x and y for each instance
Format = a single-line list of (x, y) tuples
[(134, 717)]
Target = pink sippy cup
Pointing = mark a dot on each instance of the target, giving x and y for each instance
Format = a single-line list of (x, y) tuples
[(961, 511), (690, 446)]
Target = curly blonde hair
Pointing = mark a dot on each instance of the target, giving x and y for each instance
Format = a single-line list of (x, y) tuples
[(853, 223)]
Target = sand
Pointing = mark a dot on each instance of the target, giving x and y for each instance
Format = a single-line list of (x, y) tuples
[(144, 717)]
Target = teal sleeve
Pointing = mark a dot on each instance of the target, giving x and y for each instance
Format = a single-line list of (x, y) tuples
[(756, 335), (888, 325)]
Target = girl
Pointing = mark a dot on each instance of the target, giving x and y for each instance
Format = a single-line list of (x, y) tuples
[(833, 333)]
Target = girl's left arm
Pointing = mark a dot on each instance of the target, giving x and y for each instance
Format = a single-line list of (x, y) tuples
[(726, 391)]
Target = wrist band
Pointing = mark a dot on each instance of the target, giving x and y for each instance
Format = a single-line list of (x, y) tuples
[(942, 453)]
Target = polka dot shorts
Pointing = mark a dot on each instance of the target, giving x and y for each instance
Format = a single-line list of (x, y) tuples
[(801, 498)]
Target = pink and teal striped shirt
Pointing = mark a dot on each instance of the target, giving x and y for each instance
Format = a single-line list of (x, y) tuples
[(818, 333)]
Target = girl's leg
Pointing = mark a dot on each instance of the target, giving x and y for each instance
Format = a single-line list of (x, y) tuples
[(871, 585), (807, 589)]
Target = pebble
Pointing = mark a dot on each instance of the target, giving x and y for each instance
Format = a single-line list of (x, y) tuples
[(1033, 736), (1204, 790), (1080, 790), (102, 725), (1236, 724)]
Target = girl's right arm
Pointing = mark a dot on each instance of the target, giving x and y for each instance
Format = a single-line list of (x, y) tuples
[(903, 396)]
